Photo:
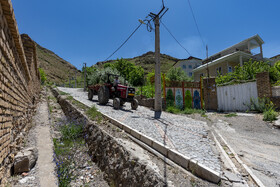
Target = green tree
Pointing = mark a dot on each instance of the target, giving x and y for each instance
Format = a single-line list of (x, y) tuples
[(42, 75), (177, 74)]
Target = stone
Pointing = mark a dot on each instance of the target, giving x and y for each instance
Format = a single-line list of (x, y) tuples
[(232, 177), (25, 160), (277, 123)]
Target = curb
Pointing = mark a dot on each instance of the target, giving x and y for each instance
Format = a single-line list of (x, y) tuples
[(180, 159)]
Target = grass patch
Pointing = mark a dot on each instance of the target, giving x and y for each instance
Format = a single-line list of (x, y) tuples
[(71, 137), (50, 109), (231, 115), (51, 98), (175, 110), (62, 93), (93, 114)]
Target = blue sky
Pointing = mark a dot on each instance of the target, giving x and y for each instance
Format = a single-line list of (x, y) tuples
[(90, 30)]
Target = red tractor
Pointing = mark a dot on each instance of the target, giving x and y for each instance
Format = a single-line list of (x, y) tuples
[(119, 93)]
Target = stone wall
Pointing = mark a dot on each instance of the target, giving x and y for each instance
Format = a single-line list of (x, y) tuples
[(19, 86), (149, 102), (122, 166)]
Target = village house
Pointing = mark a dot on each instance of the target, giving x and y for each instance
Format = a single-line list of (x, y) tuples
[(189, 64), (224, 61)]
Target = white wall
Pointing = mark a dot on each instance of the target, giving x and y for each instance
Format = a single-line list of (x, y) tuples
[(236, 97)]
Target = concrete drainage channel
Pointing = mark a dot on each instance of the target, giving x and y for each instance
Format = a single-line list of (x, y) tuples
[(100, 140)]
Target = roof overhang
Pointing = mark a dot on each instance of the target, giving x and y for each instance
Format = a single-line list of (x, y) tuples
[(222, 59)]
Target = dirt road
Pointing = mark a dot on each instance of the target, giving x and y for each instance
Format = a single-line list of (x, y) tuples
[(256, 142)]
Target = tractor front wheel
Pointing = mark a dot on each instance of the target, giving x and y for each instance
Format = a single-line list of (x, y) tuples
[(103, 95), (134, 104), (116, 103), (90, 94)]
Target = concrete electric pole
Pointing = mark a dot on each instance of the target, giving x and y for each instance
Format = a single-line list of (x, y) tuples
[(158, 100)]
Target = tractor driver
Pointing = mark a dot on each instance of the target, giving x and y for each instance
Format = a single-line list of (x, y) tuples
[(116, 81)]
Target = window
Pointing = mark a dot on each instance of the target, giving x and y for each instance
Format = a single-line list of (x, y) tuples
[(219, 71), (229, 69), (201, 75), (190, 66), (190, 74), (184, 67)]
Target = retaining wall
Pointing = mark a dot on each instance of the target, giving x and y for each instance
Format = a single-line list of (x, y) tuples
[(121, 167), (19, 86)]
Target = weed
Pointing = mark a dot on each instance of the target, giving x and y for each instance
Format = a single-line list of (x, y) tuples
[(71, 131), (231, 115), (175, 110), (270, 115), (50, 109), (62, 93), (94, 114)]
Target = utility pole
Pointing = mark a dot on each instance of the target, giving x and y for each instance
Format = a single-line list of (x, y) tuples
[(158, 100), (85, 77)]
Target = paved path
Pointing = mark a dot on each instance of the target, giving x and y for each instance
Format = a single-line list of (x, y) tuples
[(186, 135), (45, 146)]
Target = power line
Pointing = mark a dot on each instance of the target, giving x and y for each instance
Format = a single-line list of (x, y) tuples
[(175, 38), (196, 23), (124, 41)]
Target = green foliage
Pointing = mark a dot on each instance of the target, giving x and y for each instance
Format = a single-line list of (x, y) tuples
[(126, 70), (270, 115), (42, 75), (248, 72), (94, 114), (169, 98), (177, 74), (265, 106), (175, 110), (188, 99), (231, 115), (71, 131), (134, 74), (148, 91)]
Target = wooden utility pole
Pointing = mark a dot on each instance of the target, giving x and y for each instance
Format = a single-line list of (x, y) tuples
[(158, 100), (85, 77)]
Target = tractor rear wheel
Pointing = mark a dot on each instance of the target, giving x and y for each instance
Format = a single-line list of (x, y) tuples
[(116, 103), (90, 94), (103, 95), (134, 104)]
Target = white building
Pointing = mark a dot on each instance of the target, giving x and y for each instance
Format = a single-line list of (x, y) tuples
[(189, 64)]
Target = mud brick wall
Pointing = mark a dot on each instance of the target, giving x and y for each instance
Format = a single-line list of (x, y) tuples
[(210, 94), (263, 84), (19, 86)]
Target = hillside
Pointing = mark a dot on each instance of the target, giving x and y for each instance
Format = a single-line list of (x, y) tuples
[(147, 61), (56, 68)]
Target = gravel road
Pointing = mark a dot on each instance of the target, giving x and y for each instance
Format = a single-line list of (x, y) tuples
[(256, 142), (186, 135)]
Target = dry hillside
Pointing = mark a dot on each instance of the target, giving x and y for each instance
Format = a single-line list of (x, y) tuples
[(56, 68)]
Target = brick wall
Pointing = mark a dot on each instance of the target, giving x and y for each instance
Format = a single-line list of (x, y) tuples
[(210, 94), (263, 84), (19, 86)]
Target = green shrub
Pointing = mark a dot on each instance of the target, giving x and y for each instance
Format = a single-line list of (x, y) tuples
[(270, 115), (173, 110), (71, 131)]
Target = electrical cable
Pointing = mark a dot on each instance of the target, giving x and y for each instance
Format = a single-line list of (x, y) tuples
[(175, 38), (196, 23), (125, 41)]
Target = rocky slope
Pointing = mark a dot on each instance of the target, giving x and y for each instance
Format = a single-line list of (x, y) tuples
[(56, 68)]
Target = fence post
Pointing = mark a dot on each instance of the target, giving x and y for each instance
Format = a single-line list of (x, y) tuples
[(201, 94)]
